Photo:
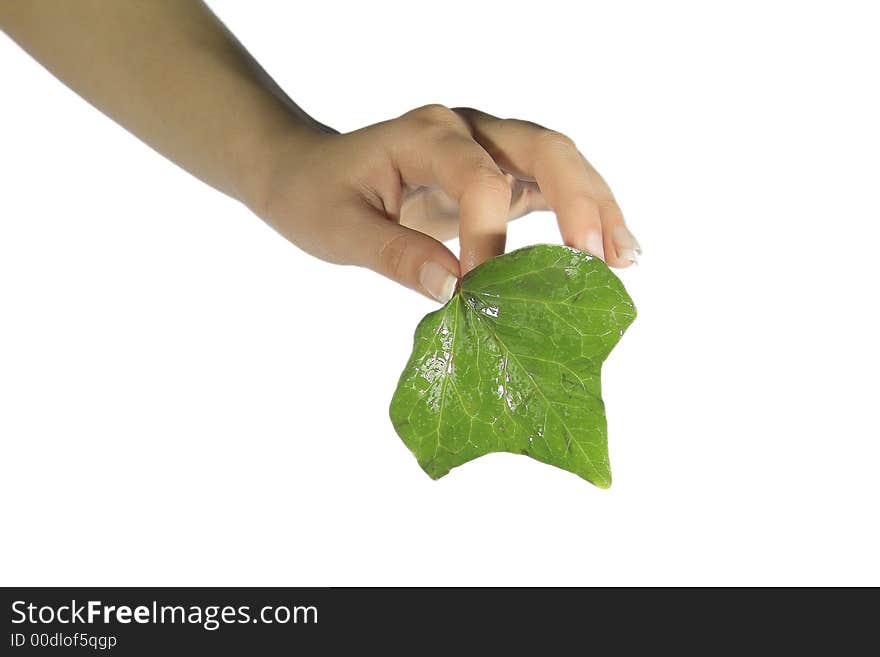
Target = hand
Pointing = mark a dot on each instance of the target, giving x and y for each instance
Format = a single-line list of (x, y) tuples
[(381, 197)]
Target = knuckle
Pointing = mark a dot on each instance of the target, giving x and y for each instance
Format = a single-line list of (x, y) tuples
[(553, 140), (391, 256), (489, 181), (584, 205), (608, 205), (435, 113)]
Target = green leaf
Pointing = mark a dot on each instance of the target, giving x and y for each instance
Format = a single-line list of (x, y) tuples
[(512, 364)]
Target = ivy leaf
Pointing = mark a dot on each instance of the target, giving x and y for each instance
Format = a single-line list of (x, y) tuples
[(512, 364)]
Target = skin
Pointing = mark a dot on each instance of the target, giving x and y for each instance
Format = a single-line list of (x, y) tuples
[(382, 197)]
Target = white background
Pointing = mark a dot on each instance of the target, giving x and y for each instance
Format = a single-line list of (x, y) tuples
[(185, 398)]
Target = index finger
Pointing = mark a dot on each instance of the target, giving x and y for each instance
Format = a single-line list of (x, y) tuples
[(588, 215), (441, 152)]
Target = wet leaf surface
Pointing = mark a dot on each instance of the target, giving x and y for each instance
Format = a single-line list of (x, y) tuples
[(512, 364)]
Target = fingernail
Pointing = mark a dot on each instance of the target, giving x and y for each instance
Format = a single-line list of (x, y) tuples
[(627, 245), (594, 244), (628, 255), (437, 281)]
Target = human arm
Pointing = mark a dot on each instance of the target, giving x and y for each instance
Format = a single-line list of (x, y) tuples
[(379, 197)]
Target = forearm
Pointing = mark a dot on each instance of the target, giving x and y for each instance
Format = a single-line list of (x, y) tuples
[(170, 72), (379, 197)]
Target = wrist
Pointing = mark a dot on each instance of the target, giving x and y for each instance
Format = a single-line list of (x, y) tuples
[(267, 152)]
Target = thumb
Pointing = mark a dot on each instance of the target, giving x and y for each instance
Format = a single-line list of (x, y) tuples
[(407, 256)]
